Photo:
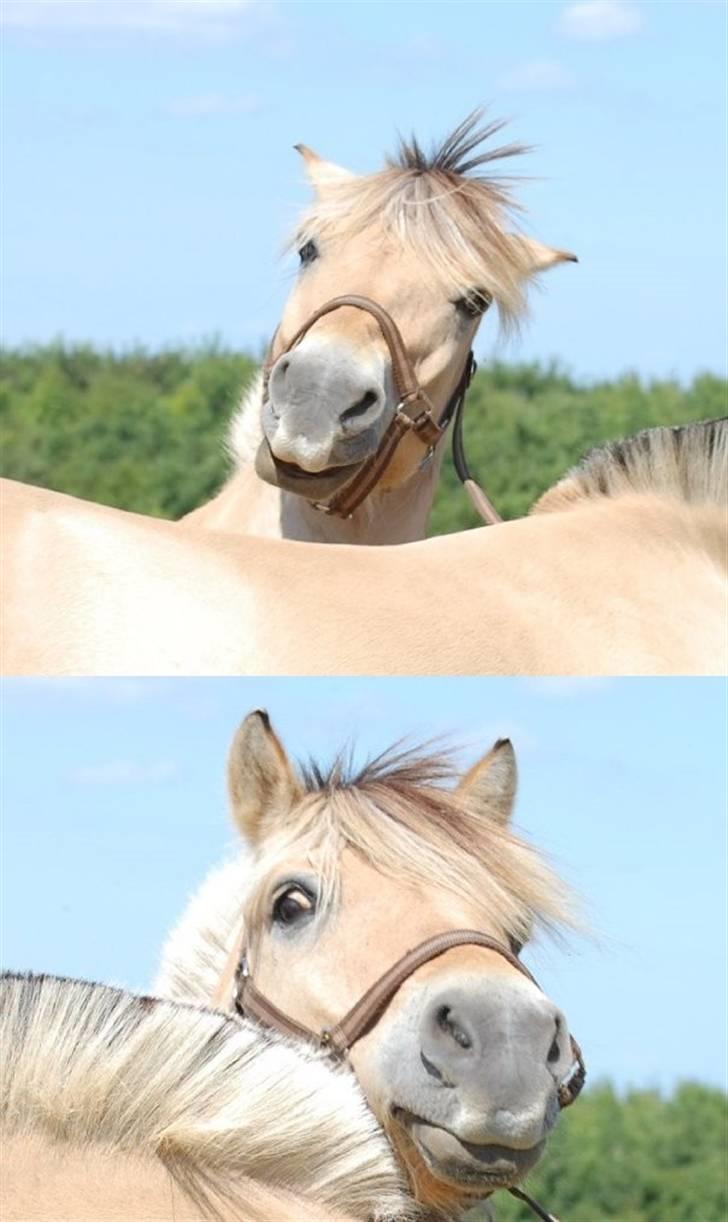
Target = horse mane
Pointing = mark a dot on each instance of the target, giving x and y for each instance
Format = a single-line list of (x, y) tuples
[(686, 462), (455, 221), (401, 813), (452, 156), (213, 1098)]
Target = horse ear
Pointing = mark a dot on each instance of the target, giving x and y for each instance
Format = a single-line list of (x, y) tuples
[(321, 174), (490, 785), (536, 257), (262, 783)]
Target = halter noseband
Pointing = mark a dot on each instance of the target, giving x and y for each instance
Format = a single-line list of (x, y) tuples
[(415, 412), (365, 1013)]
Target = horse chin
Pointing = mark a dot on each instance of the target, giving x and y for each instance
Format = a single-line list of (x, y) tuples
[(472, 1168), (311, 485)]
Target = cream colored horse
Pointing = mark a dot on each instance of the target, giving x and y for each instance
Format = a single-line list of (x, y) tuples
[(429, 241), (131, 1109), (343, 876), (620, 569)]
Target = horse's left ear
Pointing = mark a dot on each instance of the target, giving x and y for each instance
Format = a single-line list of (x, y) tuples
[(321, 174), (536, 257), (490, 785), (262, 782)]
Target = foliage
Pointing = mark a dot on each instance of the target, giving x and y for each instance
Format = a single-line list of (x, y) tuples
[(641, 1158), (526, 425), (142, 431), (145, 431)]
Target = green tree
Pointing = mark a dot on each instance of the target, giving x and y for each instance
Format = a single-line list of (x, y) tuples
[(146, 431)]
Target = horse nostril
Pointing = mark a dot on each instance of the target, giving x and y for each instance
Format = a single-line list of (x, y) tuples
[(283, 366), (555, 1050), (447, 1023), (360, 407)]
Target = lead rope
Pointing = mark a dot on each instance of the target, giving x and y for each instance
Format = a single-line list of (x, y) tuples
[(539, 1211), (480, 502)]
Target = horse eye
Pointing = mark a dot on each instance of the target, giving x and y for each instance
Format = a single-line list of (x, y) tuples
[(474, 304), (291, 906), (516, 946), (308, 252)]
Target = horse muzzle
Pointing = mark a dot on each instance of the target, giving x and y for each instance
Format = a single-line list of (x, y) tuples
[(468, 1165), (314, 486)]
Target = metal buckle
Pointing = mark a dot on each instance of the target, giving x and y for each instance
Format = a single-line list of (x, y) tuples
[(242, 973), (320, 507), (423, 421), (408, 421)]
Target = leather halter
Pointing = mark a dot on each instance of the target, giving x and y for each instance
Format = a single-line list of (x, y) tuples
[(366, 1012), (415, 412)]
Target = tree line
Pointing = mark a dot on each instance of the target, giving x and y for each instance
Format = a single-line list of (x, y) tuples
[(146, 430)]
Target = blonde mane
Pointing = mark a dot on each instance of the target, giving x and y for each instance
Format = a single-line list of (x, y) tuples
[(455, 221), (212, 1098), (402, 815), (686, 462)]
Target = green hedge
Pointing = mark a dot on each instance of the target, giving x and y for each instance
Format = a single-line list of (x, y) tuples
[(145, 431)]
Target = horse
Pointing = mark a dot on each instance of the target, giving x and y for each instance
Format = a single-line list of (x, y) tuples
[(620, 568), (427, 242), (380, 914), (129, 1107)]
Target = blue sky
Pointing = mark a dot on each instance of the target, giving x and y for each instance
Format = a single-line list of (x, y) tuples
[(114, 809), (151, 175)]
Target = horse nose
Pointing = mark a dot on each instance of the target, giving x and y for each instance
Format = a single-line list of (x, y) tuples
[(460, 1036), (330, 384)]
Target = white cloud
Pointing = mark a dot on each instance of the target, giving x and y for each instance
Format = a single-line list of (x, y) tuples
[(124, 772), (216, 17), (539, 75), (206, 105), (599, 20)]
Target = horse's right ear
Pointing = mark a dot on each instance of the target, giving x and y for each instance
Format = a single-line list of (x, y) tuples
[(262, 783), (321, 174)]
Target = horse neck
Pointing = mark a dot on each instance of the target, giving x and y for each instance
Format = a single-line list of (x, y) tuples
[(397, 515), (247, 505)]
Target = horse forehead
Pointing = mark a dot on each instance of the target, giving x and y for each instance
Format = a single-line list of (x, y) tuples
[(403, 909), (392, 275)]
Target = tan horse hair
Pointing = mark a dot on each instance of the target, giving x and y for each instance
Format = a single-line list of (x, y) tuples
[(215, 1101), (688, 462), (620, 569), (401, 815), (47, 1181), (455, 222)]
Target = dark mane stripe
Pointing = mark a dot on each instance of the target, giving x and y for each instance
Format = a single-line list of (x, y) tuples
[(686, 461), (452, 156)]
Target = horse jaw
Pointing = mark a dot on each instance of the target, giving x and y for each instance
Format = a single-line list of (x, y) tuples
[(444, 1199)]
